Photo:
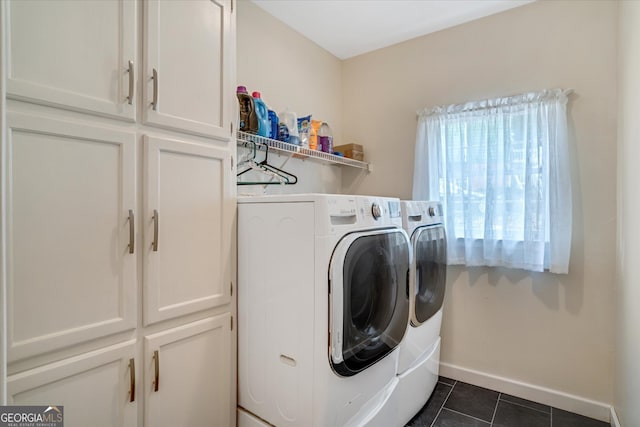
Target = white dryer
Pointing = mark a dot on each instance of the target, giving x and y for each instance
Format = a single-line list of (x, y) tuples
[(419, 352), (322, 307)]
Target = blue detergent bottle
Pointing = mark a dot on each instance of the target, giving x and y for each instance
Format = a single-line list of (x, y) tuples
[(262, 112), (273, 121)]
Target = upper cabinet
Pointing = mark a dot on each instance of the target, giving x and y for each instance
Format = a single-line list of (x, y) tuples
[(82, 56), (182, 90)]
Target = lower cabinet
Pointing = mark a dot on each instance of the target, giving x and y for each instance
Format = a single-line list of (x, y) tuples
[(73, 220), (183, 380), (71, 259), (187, 375), (187, 223), (94, 388)]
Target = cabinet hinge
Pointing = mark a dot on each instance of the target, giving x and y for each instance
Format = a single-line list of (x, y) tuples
[(231, 6), (231, 128), (232, 323), (231, 162), (231, 286)]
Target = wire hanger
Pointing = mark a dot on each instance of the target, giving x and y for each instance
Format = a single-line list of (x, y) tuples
[(283, 177)]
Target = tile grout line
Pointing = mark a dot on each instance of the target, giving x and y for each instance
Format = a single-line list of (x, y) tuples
[(495, 409), (500, 398), (525, 406), (442, 406), (466, 415)]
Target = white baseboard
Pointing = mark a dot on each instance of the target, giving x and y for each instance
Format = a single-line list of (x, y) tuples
[(615, 422), (558, 399)]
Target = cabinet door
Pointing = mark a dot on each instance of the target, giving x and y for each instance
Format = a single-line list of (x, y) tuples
[(70, 274), (188, 228), (189, 74), (94, 388), (73, 54), (188, 375)]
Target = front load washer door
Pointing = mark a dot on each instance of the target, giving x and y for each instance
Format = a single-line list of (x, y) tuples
[(430, 272), (369, 298)]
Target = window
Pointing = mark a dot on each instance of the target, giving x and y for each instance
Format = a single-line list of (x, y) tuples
[(500, 168)]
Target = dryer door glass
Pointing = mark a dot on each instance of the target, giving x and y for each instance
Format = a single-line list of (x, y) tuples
[(430, 252), (375, 299)]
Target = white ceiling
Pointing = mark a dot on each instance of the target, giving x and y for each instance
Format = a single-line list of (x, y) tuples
[(348, 28)]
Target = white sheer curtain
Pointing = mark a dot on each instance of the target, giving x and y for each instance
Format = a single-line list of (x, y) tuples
[(500, 167)]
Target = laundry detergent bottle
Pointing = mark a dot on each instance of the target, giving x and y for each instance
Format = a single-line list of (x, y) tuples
[(248, 120), (290, 119), (273, 122), (262, 114)]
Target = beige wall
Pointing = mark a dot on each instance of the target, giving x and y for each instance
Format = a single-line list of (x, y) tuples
[(627, 373), (553, 331), (290, 71)]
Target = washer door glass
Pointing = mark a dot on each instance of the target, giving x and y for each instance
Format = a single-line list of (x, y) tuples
[(430, 253), (375, 298)]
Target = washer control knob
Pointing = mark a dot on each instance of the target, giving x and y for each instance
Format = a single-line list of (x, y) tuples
[(432, 211), (376, 211)]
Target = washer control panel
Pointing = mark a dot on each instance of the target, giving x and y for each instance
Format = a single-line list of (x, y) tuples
[(363, 211)]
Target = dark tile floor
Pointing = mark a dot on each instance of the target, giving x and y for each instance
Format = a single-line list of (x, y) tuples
[(457, 404)]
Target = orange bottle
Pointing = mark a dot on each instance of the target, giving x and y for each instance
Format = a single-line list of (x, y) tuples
[(313, 134)]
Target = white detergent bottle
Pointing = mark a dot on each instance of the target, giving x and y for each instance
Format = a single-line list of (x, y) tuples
[(290, 119)]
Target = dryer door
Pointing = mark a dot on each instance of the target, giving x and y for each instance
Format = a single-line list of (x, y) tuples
[(430, 273), (369, 298)]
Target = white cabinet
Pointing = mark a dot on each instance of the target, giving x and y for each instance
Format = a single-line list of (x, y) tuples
[(82, 56), (187, 375), (71, 276), (116, 231), (188, 48), (188, 209), (73, 54), (94, 388)]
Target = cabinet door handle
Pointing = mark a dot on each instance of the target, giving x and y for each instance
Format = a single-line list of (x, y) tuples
[(132, 380), (132, 232), (156, 381), (154, 104), (131, 83), (156, 222)]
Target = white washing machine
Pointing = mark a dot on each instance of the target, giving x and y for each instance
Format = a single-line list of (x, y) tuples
[(419, 352), (322, 307)]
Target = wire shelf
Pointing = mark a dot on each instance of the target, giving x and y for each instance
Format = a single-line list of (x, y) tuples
[(300, 152)]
